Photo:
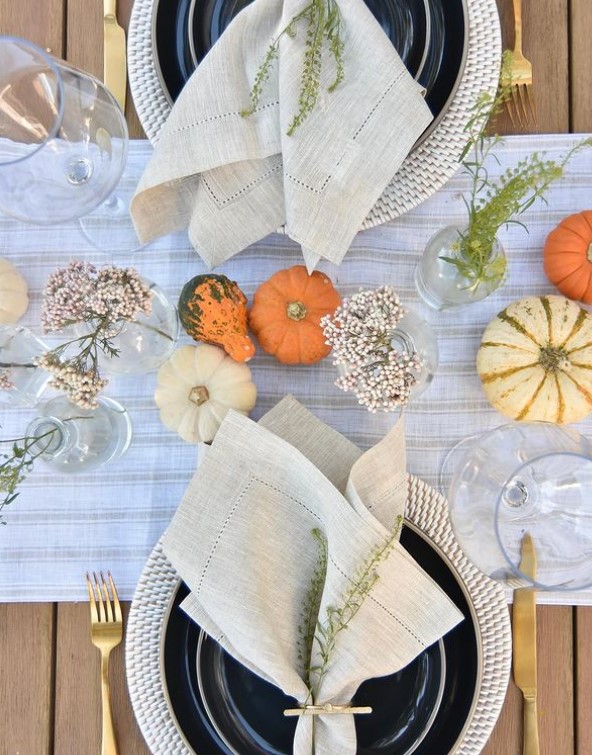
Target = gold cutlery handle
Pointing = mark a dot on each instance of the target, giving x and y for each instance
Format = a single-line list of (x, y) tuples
[(110, 8), (517, 25), (109, 744), (531, 729)]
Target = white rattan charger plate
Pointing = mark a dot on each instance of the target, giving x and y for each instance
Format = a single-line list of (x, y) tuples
[(428, 510), (424, 171)]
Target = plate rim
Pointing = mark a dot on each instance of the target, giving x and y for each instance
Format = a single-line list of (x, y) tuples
[(425, 170), (191, 16), (427, 510)]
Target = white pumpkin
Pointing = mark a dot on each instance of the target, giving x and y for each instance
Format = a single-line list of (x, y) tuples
[(13, 293), (197, 386), (535, 360)]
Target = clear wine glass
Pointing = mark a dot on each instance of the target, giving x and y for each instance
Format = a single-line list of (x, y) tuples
[(525, 478), (63, 137)]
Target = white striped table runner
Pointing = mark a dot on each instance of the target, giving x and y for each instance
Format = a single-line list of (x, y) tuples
[(61, 526)]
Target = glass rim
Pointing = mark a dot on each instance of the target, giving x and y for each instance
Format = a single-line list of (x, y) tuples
[(49, 60), (535, 583)]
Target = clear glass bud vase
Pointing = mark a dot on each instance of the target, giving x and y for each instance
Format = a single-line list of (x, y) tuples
[(71, 439), (412, 337), (144, 343), (21, 381), (414, 334), (443, 284)]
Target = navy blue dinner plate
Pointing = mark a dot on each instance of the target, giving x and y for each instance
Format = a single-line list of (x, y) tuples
[(222, 708), (430, 36)]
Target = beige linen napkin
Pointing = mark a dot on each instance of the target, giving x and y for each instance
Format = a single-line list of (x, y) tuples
[(242, 541), (232, 180)]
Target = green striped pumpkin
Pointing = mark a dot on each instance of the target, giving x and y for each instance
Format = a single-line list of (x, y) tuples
[(535, 360)]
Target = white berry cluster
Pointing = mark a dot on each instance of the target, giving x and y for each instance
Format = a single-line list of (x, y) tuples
[(81, 386), (80, 292), (5, 380), (106, 298), (360, 332)]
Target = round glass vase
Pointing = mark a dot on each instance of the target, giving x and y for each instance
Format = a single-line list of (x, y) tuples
[(25, 382), (71, 439), (413, 335), (144, 343), (442, 284)]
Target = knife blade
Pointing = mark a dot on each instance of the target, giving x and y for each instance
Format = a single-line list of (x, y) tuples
[(524, 656), (114, 61)]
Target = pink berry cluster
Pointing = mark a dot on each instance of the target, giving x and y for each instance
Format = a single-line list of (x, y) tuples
[(375, 368), (106, 299)]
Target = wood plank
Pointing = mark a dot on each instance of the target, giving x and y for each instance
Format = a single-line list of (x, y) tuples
[(78, 688), (555, 677), (545, 31), (39, 22), (555, 654), (583, 708), (581, 66), (26, 680), (84, 23), (507, 735)]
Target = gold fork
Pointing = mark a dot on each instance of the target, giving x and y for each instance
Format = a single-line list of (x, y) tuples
[(520, 105), (106, 624)]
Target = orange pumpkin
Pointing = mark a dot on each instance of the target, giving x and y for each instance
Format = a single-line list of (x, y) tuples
[(286, 314), (568, 257)]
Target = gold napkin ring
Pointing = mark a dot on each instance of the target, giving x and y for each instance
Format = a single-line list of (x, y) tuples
[(328, 709)]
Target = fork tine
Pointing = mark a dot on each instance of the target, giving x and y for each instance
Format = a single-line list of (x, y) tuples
[(94, 616), (116, 604), (108, 609), (531, 102), (517, 108), (523, 97), (101, 606), (510, 111)]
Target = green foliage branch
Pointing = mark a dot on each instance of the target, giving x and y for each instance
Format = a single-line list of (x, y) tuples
[(490, 204), (324, 631), (323, 28)]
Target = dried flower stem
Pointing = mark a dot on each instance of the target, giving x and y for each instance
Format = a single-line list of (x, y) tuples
[(105, 299)]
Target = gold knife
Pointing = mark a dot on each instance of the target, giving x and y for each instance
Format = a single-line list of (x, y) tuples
[(524, 647), (114, 63)]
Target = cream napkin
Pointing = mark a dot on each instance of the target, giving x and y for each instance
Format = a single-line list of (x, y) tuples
[(242, 541), (233, 180)]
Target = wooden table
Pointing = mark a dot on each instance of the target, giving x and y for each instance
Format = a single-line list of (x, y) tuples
[(49, 671)]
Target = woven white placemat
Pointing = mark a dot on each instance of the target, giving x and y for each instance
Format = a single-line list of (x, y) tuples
[(428, 511), (423, 172)]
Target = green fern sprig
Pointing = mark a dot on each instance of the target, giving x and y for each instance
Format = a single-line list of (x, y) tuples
[(338, 618), (312, 603), (323, 25)]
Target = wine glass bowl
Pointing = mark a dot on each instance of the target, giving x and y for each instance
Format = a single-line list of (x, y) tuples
[(63, 137), (526, 478)]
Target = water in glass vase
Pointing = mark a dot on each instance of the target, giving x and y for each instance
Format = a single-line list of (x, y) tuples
[(443, 284)]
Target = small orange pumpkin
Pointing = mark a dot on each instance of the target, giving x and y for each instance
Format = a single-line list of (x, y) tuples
[(286, 314), (568, 257)]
